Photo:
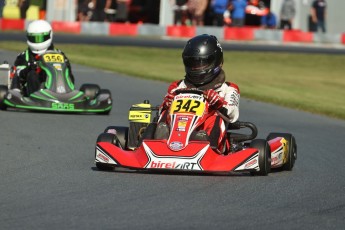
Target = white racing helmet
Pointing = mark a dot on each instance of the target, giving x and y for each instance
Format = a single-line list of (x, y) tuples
[(39, 36)]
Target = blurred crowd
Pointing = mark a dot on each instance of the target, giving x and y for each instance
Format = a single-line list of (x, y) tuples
[(234, 13), (133, 11)]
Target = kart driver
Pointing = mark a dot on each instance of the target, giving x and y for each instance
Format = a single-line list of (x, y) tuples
[(203, 61), (26, 74)]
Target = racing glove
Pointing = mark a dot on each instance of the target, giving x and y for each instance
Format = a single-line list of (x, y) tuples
[(23, 72), (214, 99), (169, 97)]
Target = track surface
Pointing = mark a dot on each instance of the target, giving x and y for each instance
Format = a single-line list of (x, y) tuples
[(49, 180)]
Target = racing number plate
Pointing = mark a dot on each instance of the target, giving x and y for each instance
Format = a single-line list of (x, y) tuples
[(188, 104), (53, 58)]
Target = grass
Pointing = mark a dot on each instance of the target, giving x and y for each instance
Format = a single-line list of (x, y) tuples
[(308, 82)]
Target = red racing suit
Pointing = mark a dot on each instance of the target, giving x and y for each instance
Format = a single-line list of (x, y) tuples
[(214, 125)]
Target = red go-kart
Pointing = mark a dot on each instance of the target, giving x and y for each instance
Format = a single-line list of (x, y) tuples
[(181, 146)]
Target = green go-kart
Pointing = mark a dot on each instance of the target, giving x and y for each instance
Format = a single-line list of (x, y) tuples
[(57, 94)]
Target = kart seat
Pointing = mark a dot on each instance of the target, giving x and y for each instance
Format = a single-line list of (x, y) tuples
[(162, 131), (200, 135)]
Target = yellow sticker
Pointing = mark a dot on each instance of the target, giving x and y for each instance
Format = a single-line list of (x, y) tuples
[(54, 58), (140, 116), (190, 106)]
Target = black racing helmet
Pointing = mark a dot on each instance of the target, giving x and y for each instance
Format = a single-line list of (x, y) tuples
[(203, 58)]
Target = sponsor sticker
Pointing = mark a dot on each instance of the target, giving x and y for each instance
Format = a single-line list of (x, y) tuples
[(176, 145)]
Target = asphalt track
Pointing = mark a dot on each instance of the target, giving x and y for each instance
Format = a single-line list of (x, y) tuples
[(49, 180)]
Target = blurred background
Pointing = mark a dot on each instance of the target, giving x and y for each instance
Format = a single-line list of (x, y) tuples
[(180, 12)]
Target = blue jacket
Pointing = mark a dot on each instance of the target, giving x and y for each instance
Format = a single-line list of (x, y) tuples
[(269, 20), (239, 8), (219, 6)]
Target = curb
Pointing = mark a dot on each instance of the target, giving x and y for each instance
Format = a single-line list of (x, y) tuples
[(223, 33)]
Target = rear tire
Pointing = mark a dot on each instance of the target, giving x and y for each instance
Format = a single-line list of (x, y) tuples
[(90, 90), (110, 138), (3, 92), (264, 156), (292, 149)]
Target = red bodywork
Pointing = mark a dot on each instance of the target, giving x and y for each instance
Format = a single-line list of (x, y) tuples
[(196, 156)]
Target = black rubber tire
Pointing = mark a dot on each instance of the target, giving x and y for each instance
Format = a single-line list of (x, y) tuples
[(264, 156), (121, 136), (90, 90), (292, 147), (110, 138), (105, 92), (3, 92)]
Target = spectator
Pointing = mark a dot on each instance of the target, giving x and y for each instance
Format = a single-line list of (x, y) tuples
[(2, 4), (180, 11), (220, 8), (318, 14), (99, 8), (122, 11), (269, 20), (196, 11), (287, 14), (110, 11), (238, 14), (84, 12), (23, 6)]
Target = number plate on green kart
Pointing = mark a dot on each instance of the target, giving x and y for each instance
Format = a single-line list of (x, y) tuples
[(54, 58)]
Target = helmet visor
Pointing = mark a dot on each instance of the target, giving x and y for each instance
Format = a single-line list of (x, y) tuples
[(199, 63), (38, 37)]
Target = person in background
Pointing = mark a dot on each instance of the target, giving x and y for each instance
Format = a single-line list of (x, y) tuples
[(269, 21), (99, 8), (287, 14), (84, 12), (238, 14), (196, 11), (122, 11), (219, 8), (23, 6), (27, 77), (180, 9), (2, 4), (204, 72), (318, 14)]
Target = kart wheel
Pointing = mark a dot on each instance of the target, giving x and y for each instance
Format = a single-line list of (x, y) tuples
[(120, 133), (110, 138), (90, 90), (264, 156), (292, 149), (105, 92), (3, 92)]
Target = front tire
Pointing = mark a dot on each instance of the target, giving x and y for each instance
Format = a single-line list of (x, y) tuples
[(121, 135), (292, 149), (264, 156), (104, 95), (110, 138), (90, 90)]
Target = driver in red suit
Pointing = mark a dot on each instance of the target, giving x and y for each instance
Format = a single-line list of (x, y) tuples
[(203, 60)]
